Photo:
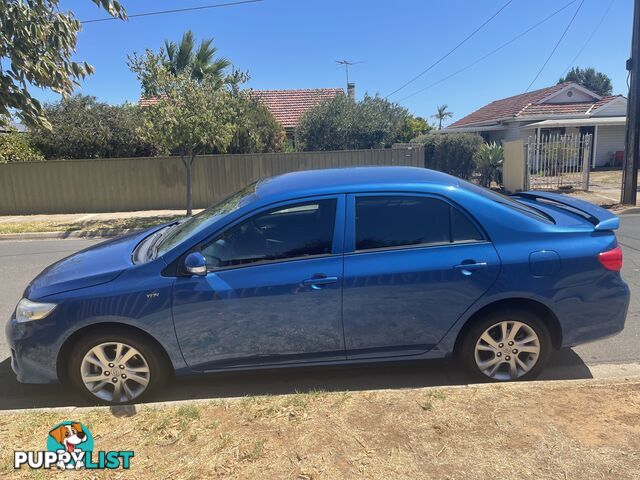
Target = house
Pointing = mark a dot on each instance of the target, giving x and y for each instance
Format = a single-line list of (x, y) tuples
[(566, 108), (288, 106)]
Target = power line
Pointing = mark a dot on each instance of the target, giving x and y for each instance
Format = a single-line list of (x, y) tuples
[(450, 51), (556, 45), (176, 10), (495, 50), (604, 15)]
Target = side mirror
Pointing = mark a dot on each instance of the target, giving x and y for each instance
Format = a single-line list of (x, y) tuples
[(195, 264)]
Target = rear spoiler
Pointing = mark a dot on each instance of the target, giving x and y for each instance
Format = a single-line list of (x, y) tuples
[(600, 218)]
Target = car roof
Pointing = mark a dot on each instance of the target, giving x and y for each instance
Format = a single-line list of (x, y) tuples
[(352, 179)]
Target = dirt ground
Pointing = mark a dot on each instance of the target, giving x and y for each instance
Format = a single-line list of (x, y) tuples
[(555, 430)]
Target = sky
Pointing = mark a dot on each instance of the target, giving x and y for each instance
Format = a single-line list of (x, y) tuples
[(286, 44)]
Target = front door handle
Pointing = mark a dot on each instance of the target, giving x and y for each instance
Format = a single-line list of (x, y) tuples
[(317, 282), (469, 268)]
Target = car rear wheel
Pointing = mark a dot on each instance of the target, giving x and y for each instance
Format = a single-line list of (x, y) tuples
[(506, 345), (116, 368)]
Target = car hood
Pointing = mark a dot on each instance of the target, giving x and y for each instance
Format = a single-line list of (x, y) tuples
[(95, 265)]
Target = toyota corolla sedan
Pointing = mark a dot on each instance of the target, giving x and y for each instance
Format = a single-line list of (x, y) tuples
[(326, 267)]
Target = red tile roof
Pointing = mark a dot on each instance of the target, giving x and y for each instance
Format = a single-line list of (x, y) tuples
[(287, 106), (526, 104)]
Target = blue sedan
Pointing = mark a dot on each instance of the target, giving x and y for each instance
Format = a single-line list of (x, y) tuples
[(326, 267)]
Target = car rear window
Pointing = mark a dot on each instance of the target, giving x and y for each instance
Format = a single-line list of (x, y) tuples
[(506, 200)]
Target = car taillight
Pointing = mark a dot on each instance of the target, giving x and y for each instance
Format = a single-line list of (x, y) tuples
[(611, 259)]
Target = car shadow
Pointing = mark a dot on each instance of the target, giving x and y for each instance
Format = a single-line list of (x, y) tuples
[(565, 364)]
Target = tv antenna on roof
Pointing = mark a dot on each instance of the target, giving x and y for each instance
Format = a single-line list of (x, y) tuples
[(346, 64)]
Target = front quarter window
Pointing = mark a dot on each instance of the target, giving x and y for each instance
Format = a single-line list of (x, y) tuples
[(202, 220)]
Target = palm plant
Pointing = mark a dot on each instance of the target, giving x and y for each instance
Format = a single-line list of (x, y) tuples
[(442, 114), (183, 57), (489, 159)]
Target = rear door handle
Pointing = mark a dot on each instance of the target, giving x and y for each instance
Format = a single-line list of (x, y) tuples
[(469, 268), (317, 282)]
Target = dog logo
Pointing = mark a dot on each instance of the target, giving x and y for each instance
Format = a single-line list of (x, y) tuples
[(68, 437), (70, 446)]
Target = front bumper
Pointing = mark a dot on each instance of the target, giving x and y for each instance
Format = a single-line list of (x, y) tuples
[(33, 354)]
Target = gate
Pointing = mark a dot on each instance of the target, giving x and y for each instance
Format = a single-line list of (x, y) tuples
[(558, 161)]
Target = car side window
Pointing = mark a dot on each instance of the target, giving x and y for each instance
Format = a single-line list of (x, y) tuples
[(293, 231), (462, 230), (395, 221)]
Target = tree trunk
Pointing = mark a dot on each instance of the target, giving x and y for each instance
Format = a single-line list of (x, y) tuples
[(188, 164)]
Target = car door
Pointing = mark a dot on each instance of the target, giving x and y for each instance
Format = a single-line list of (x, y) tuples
[(413, 264), (273, 290)]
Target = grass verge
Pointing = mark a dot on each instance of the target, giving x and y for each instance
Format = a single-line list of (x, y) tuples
[(560, 430)]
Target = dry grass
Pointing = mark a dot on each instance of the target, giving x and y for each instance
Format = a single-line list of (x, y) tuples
[(85, 226), (542, 431)]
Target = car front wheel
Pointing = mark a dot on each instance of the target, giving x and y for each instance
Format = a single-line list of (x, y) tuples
[(506, 345), (116, 368)]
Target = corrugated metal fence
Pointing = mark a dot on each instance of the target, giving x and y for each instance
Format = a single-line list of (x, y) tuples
[(127, 184)]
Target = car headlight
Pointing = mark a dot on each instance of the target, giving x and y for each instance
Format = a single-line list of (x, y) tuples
[(27, 310)]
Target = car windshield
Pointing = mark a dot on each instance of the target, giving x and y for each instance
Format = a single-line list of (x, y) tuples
[(180, 231), (506, 200)]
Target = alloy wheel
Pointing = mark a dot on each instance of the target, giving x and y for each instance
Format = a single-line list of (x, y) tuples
[(507, 350), (115, 372)]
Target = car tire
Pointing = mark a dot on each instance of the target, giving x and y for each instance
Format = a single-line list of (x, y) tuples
[(136, 375), (506, 345)]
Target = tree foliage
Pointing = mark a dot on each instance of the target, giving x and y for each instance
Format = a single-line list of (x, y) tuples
[(442, 114), (452, 153), (181, 58), (595, 81), (15, 147), (257, 131), (37, 42), (340, 124), (83, 127)]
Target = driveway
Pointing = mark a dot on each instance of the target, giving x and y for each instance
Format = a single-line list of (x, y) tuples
[(22, 260)]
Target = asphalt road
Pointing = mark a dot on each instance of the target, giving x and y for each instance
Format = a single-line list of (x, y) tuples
[(20, 261)]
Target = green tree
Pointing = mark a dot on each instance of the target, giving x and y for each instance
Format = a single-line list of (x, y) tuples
[(413, 127), (183, 57), (257, 131), (595, 81), (37, 42), (191, 117), (15, 147), (442, 114), (340, 123), (83, 127)]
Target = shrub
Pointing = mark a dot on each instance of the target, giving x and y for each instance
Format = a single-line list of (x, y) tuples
[(342, 124), (452, 153), (489, 158), (257, 131), (83, 127), (15, 147)]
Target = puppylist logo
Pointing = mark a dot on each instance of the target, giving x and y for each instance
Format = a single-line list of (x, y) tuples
[(70, 446)]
